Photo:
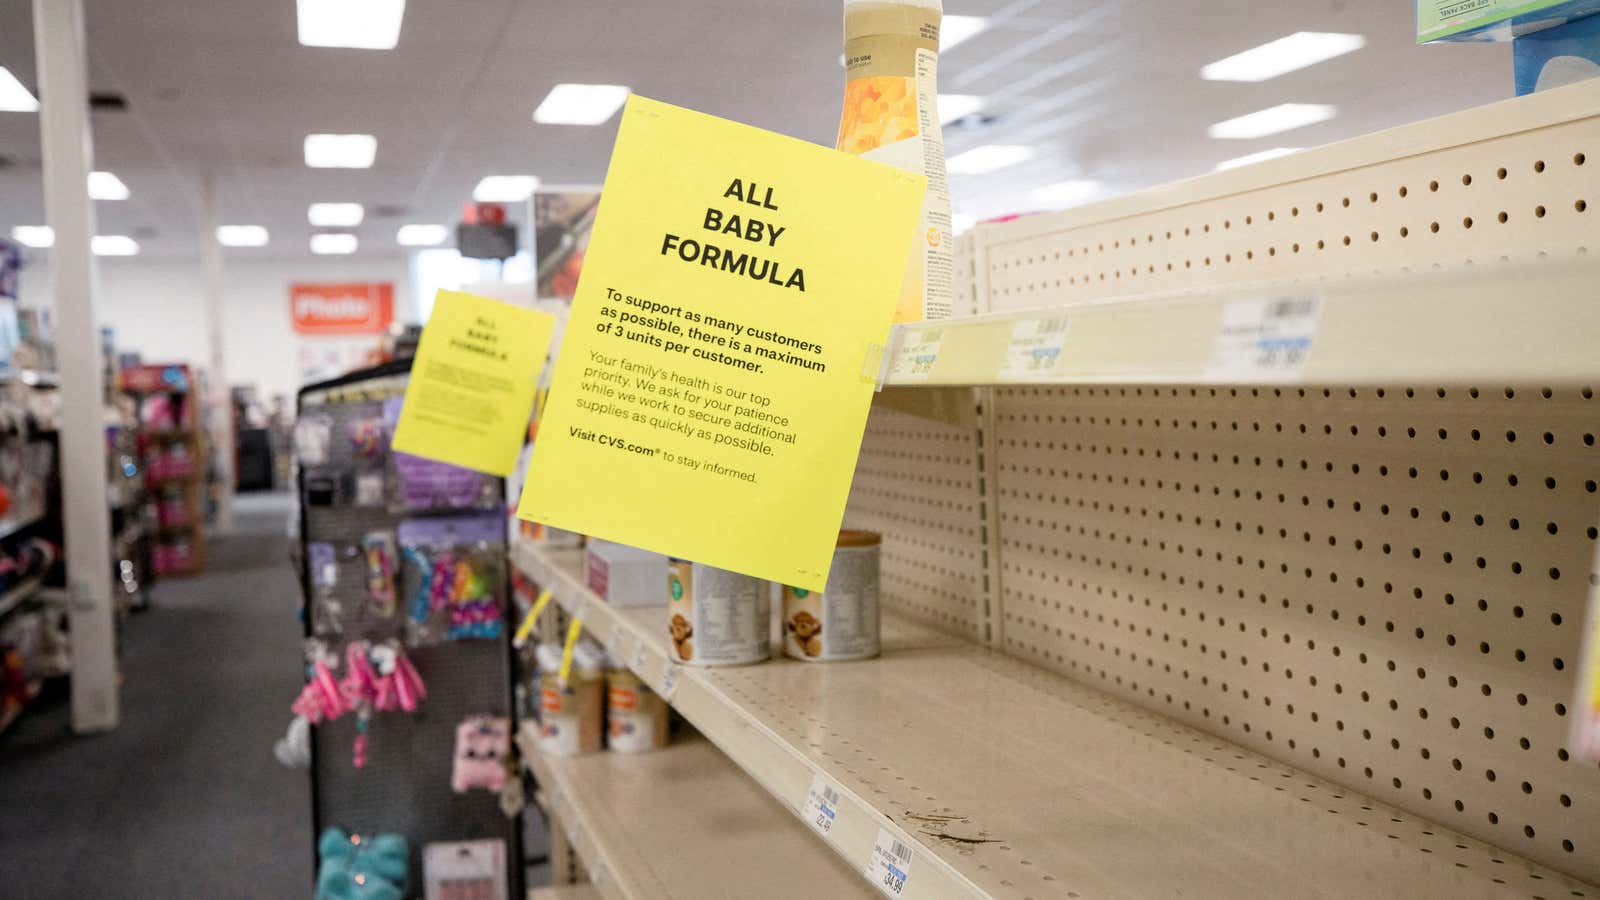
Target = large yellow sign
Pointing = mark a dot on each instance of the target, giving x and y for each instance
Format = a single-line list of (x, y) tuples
[(711, 392)]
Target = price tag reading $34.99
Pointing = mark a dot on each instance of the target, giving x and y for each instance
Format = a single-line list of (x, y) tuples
[(890, 865), (821, 806)]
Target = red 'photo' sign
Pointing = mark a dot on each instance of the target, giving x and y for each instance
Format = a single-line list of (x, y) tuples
[(348, 308)]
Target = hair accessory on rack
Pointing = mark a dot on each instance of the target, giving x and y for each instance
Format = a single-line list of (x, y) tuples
[(482, 744), (379, 547), (366, 437), (354, 867), (420, 599)]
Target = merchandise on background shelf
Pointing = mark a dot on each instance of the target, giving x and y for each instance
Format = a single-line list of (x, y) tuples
[(571, 714), (452, 573), (172, 511), (174, 462), (379, 550), (483, 745), (173, 557), (465, 870), (419, 484), (636, 717), (891, 50), (362, 866), (549, 536), (623, 575), (716, 617), (842, 621)]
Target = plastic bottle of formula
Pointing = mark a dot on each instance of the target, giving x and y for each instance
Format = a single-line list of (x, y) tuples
[(891, 50)]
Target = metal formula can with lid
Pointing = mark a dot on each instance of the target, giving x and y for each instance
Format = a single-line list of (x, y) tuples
[(716, 617), (636, 717), (842, 621)]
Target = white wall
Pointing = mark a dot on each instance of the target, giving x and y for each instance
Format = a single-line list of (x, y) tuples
[(157, 309)]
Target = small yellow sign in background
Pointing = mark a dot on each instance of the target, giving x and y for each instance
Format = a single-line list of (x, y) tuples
[(710, 395), (472, 383)]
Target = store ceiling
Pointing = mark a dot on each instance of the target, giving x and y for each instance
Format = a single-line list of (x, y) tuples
[(1106, 91)]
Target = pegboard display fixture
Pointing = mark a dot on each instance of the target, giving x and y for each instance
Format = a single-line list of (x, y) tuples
[(625, 816), (1370, 563), (405, 784)]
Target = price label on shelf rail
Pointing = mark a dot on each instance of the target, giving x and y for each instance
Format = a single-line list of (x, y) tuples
[(919, 350), (472, 382), (821, 807), (890, 865), (708, 401), (1264, 339), (1034, 349)]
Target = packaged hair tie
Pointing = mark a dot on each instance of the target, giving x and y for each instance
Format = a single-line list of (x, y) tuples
[(452, 578)]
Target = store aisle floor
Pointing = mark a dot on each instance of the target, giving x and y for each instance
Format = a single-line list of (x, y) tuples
[(184, 799)]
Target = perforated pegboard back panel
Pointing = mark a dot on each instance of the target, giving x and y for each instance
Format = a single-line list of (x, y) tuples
[(405, 786), (917, 483), (1511, 180), (1383, 586)]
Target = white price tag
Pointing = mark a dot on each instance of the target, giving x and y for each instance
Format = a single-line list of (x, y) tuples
[(1035, 348), (917, 354), (597, 875), (1264, 339), (669, 682), (821, 808), (890, 865), (640, 657)]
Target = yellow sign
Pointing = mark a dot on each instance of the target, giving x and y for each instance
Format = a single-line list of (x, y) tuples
[(472, 383), (711, 392)]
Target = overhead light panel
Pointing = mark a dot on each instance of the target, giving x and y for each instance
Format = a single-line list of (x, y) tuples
[(114, 245), (1063, 194), (37, 236), (957, 106), (333, 244), (421, 235), (335, 215), (988, 158), (1284, 55), (13, 96), (505, 188), (1247, 159), (1283, 117), (955, 29), (242, 235), (359, 24), (580, 104), (106, 186), (340, 151)]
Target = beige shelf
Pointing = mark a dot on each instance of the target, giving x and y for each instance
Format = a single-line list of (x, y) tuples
[(1013, 782), (1494, 322), (564, 892), (683, 821)]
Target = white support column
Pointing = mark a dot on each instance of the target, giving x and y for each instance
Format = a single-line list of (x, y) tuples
[(221, 399), (68, 157)]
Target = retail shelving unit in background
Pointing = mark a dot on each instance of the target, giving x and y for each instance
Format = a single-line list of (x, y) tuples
[(174, 463), (1238, 537)]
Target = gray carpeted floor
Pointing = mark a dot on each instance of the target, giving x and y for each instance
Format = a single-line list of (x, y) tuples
[(184, 799)]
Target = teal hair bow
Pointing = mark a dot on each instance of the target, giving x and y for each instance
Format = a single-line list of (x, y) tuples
[(359, 867)]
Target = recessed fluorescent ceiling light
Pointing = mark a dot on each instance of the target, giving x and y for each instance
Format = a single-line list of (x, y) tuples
[(106, 186), (957, 106), (421, 235), (1283, 117), (504, 188), (40, 236), (242, 235), (114, 245), (1284, 55), (333, 244), (955, 29), (1067, 193), (988, 158), (340, 151), (1246, 160), (13, 96), (335, 215), (580, 104), (361, 24)]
